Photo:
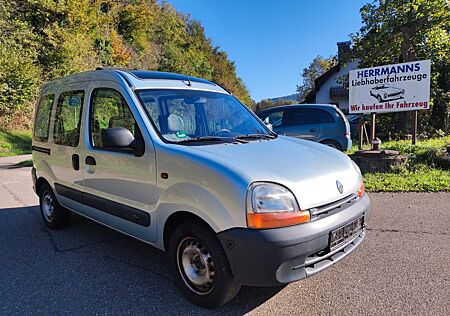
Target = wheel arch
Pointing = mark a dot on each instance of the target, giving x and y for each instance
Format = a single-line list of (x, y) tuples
[(175, 220), (327, 141), (39, 183)]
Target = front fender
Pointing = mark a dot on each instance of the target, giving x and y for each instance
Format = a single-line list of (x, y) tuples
[(199, 201)]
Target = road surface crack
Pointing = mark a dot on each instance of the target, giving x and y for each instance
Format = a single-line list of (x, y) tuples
[(381, 230), (56, 248)]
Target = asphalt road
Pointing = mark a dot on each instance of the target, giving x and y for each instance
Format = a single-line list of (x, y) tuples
[(402, 268)]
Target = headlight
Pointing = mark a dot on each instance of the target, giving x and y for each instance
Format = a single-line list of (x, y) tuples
[(270, 205)]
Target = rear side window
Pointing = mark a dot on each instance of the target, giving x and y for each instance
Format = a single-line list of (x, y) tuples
[(68, 118), (307, 116), (109, 109), (43, 114)]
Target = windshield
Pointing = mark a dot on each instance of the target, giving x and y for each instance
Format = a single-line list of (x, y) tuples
[(189, 115)]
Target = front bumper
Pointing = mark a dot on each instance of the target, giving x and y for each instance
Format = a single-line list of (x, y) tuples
[(283, 255)]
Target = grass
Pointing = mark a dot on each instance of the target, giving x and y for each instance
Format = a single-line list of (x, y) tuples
[(425, 180), (15, 143), (425, 170)]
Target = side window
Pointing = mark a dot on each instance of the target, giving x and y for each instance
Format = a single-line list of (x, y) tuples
[(274, 118), (324, 116), (294, 117), (68, 118), (108, 109), (43, 114), (307, 116)]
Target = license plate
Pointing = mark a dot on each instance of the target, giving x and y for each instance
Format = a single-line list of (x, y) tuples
[(346, 234)]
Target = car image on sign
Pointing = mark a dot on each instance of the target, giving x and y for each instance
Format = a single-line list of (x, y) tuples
[(385, 92)]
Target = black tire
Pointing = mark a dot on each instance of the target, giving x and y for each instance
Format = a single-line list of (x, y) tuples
[(55, 216), (185, 241), (380, 99), (332, 144)]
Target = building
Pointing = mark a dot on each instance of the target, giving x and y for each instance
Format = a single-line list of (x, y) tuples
[(332, 86)]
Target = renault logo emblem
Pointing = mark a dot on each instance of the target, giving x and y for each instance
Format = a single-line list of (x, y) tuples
[(339, 186)]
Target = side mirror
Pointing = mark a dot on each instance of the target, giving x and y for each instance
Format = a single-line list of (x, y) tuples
[(120, 138), (117, 138)]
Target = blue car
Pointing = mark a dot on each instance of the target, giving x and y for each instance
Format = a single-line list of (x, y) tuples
[(323, 123)]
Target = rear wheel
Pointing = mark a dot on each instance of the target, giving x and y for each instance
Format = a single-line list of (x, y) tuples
[(55, 216), (380, 99), (332, 144), (202, 269)]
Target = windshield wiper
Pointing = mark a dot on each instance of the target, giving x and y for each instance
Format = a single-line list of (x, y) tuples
[(247, 136), (211, 139)]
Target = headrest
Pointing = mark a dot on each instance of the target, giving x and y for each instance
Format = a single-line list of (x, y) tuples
[(175, 123)]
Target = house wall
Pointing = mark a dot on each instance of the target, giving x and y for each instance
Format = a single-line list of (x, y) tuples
[(323, 94)]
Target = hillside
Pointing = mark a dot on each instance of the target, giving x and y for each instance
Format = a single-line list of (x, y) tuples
[(44, 39), (291, 97)]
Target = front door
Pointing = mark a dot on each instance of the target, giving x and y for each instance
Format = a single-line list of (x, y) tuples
[(119, 185), (301, 123)]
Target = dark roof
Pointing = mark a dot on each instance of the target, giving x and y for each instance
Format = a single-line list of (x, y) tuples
[(311, 96), (147, 74), (295, 106)]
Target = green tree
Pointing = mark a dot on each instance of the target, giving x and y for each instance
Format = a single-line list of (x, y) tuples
[(318, 66), (44, 39), (267, 103), (19, 75)]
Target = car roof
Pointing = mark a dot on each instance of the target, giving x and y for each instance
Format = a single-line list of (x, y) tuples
[(139, 79), (298, 106)]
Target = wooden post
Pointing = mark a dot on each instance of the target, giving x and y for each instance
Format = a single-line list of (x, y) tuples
[(361, 131), (414, 133), (372, 127)]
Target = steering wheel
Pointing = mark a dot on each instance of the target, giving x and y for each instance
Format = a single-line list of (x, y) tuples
[(223, 131)]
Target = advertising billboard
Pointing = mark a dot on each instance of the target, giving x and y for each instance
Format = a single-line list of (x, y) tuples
[(390, 88)]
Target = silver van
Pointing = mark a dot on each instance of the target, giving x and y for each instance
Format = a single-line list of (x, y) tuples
[(179, 163)]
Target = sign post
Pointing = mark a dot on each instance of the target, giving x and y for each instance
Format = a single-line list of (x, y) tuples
[(390, 88)]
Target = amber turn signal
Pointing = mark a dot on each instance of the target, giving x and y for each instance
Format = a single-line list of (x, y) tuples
[(361, 190), (276, 219)]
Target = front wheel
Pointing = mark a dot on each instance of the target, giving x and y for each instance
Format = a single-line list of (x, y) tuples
[(199, 262)]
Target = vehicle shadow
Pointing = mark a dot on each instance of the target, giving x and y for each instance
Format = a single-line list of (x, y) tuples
[(92, 268)]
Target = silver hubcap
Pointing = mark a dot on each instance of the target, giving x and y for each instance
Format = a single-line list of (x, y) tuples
[(48, 208), (331, 145), (195, 266)]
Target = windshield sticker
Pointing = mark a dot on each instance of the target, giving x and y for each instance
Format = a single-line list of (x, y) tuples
[(180, 134)]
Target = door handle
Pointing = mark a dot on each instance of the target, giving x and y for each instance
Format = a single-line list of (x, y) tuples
[(76, 162), (90, 161), (312, 130)]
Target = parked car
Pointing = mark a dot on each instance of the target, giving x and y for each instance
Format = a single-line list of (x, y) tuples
[(323, 123), (179, 163), (385, 92)]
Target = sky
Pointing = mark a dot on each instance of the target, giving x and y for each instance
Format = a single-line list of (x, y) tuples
[(271, 41)]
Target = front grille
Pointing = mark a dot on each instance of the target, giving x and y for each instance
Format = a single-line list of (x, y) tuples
[(333, 207)]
